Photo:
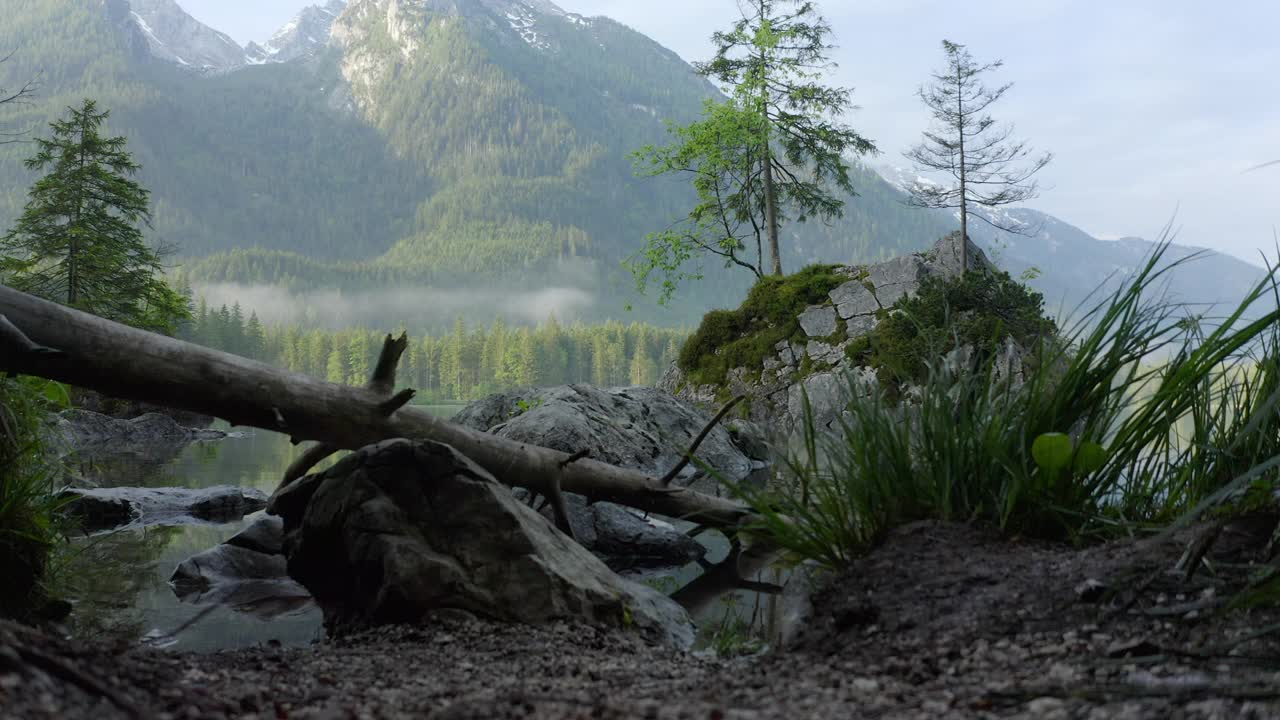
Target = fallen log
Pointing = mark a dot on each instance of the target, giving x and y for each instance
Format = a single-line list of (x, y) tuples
[(125, 362)]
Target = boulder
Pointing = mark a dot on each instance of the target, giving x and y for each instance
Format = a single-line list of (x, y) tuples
[(247, 572), (105, 508), (404, 528), (636, 427), (819, 367)]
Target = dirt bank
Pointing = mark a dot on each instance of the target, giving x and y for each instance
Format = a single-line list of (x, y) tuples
[(941, 621)]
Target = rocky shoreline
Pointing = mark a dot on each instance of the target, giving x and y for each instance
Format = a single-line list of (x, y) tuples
[(941, 621)]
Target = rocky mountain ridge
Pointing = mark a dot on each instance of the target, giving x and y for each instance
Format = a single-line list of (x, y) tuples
[(174, 37)]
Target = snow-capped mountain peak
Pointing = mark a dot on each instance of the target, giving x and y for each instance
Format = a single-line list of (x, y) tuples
[(301, 37), (174, 36)]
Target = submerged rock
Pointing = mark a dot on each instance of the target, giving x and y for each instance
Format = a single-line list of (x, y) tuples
[(105, 508), (247, 572), (403, 528), (641, 428)]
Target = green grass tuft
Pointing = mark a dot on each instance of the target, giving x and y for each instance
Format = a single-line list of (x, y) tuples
[(1144, 417), (29, 500)]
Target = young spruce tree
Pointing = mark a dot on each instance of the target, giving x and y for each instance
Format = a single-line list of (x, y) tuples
[(771, 151), (77, 241)]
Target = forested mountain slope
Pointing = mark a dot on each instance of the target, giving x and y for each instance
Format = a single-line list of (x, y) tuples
[(441, 141)]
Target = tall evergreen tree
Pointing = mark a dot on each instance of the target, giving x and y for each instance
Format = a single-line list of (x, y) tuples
[(989, 169), (78, 240)]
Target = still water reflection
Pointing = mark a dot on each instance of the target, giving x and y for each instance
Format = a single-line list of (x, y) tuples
[(118, 581)]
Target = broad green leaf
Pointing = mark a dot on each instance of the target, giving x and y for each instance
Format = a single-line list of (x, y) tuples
[(1052, 451), (1090, 458)]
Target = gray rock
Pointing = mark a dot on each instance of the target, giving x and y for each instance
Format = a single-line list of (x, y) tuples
[(854, 299), (103, 508), (86, 430), (828, 392), (641, 428), (402, 528), (819, 321), (821, 352), (786, 353), (248, 572), (944, 257), (893, 278)]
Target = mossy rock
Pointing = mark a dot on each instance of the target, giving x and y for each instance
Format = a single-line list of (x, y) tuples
[(744, 337)]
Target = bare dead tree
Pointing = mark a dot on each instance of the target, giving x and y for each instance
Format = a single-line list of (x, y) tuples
[(989, 168), (21, 96)]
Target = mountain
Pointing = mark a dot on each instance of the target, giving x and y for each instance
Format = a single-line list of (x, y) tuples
[(1070, 265), (398, 142), (174, 36), (384, 145), (303, 37)]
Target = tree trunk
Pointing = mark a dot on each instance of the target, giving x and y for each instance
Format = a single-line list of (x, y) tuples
[(125, 362), (771, 214), (964, 191)]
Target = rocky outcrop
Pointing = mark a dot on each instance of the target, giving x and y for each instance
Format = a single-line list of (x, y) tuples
[(247, 572), (818, 367), (104, 508), (635, 427), (87, 430), (403, 528)]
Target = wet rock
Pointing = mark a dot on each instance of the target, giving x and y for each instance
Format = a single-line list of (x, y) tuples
[(626, 539), (402, 528), (642, 428), (248, 572), (104, 508)]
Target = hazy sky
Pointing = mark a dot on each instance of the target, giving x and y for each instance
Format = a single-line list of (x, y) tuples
[(1150, 108)]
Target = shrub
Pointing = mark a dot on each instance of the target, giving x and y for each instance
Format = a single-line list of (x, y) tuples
[(1096, 440), (978, 310)]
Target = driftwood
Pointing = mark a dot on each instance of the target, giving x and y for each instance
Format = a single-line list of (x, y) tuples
[(128, 363)]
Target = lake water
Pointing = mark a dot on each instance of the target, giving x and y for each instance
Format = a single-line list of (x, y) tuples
[(118, 581)]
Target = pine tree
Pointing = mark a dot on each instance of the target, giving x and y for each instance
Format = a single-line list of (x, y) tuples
[(255, 340), (77, 241), (358, 367), (981, 158), (336, 367)]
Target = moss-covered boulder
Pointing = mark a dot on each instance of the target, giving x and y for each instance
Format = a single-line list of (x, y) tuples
[(828, 331)]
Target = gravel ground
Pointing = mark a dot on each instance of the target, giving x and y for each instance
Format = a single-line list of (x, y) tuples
[(939, 622)]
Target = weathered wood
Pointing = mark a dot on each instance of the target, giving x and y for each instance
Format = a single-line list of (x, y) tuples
[(125, 362)]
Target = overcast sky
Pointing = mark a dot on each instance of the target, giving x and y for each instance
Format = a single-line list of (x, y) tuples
[(1151, 108)]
